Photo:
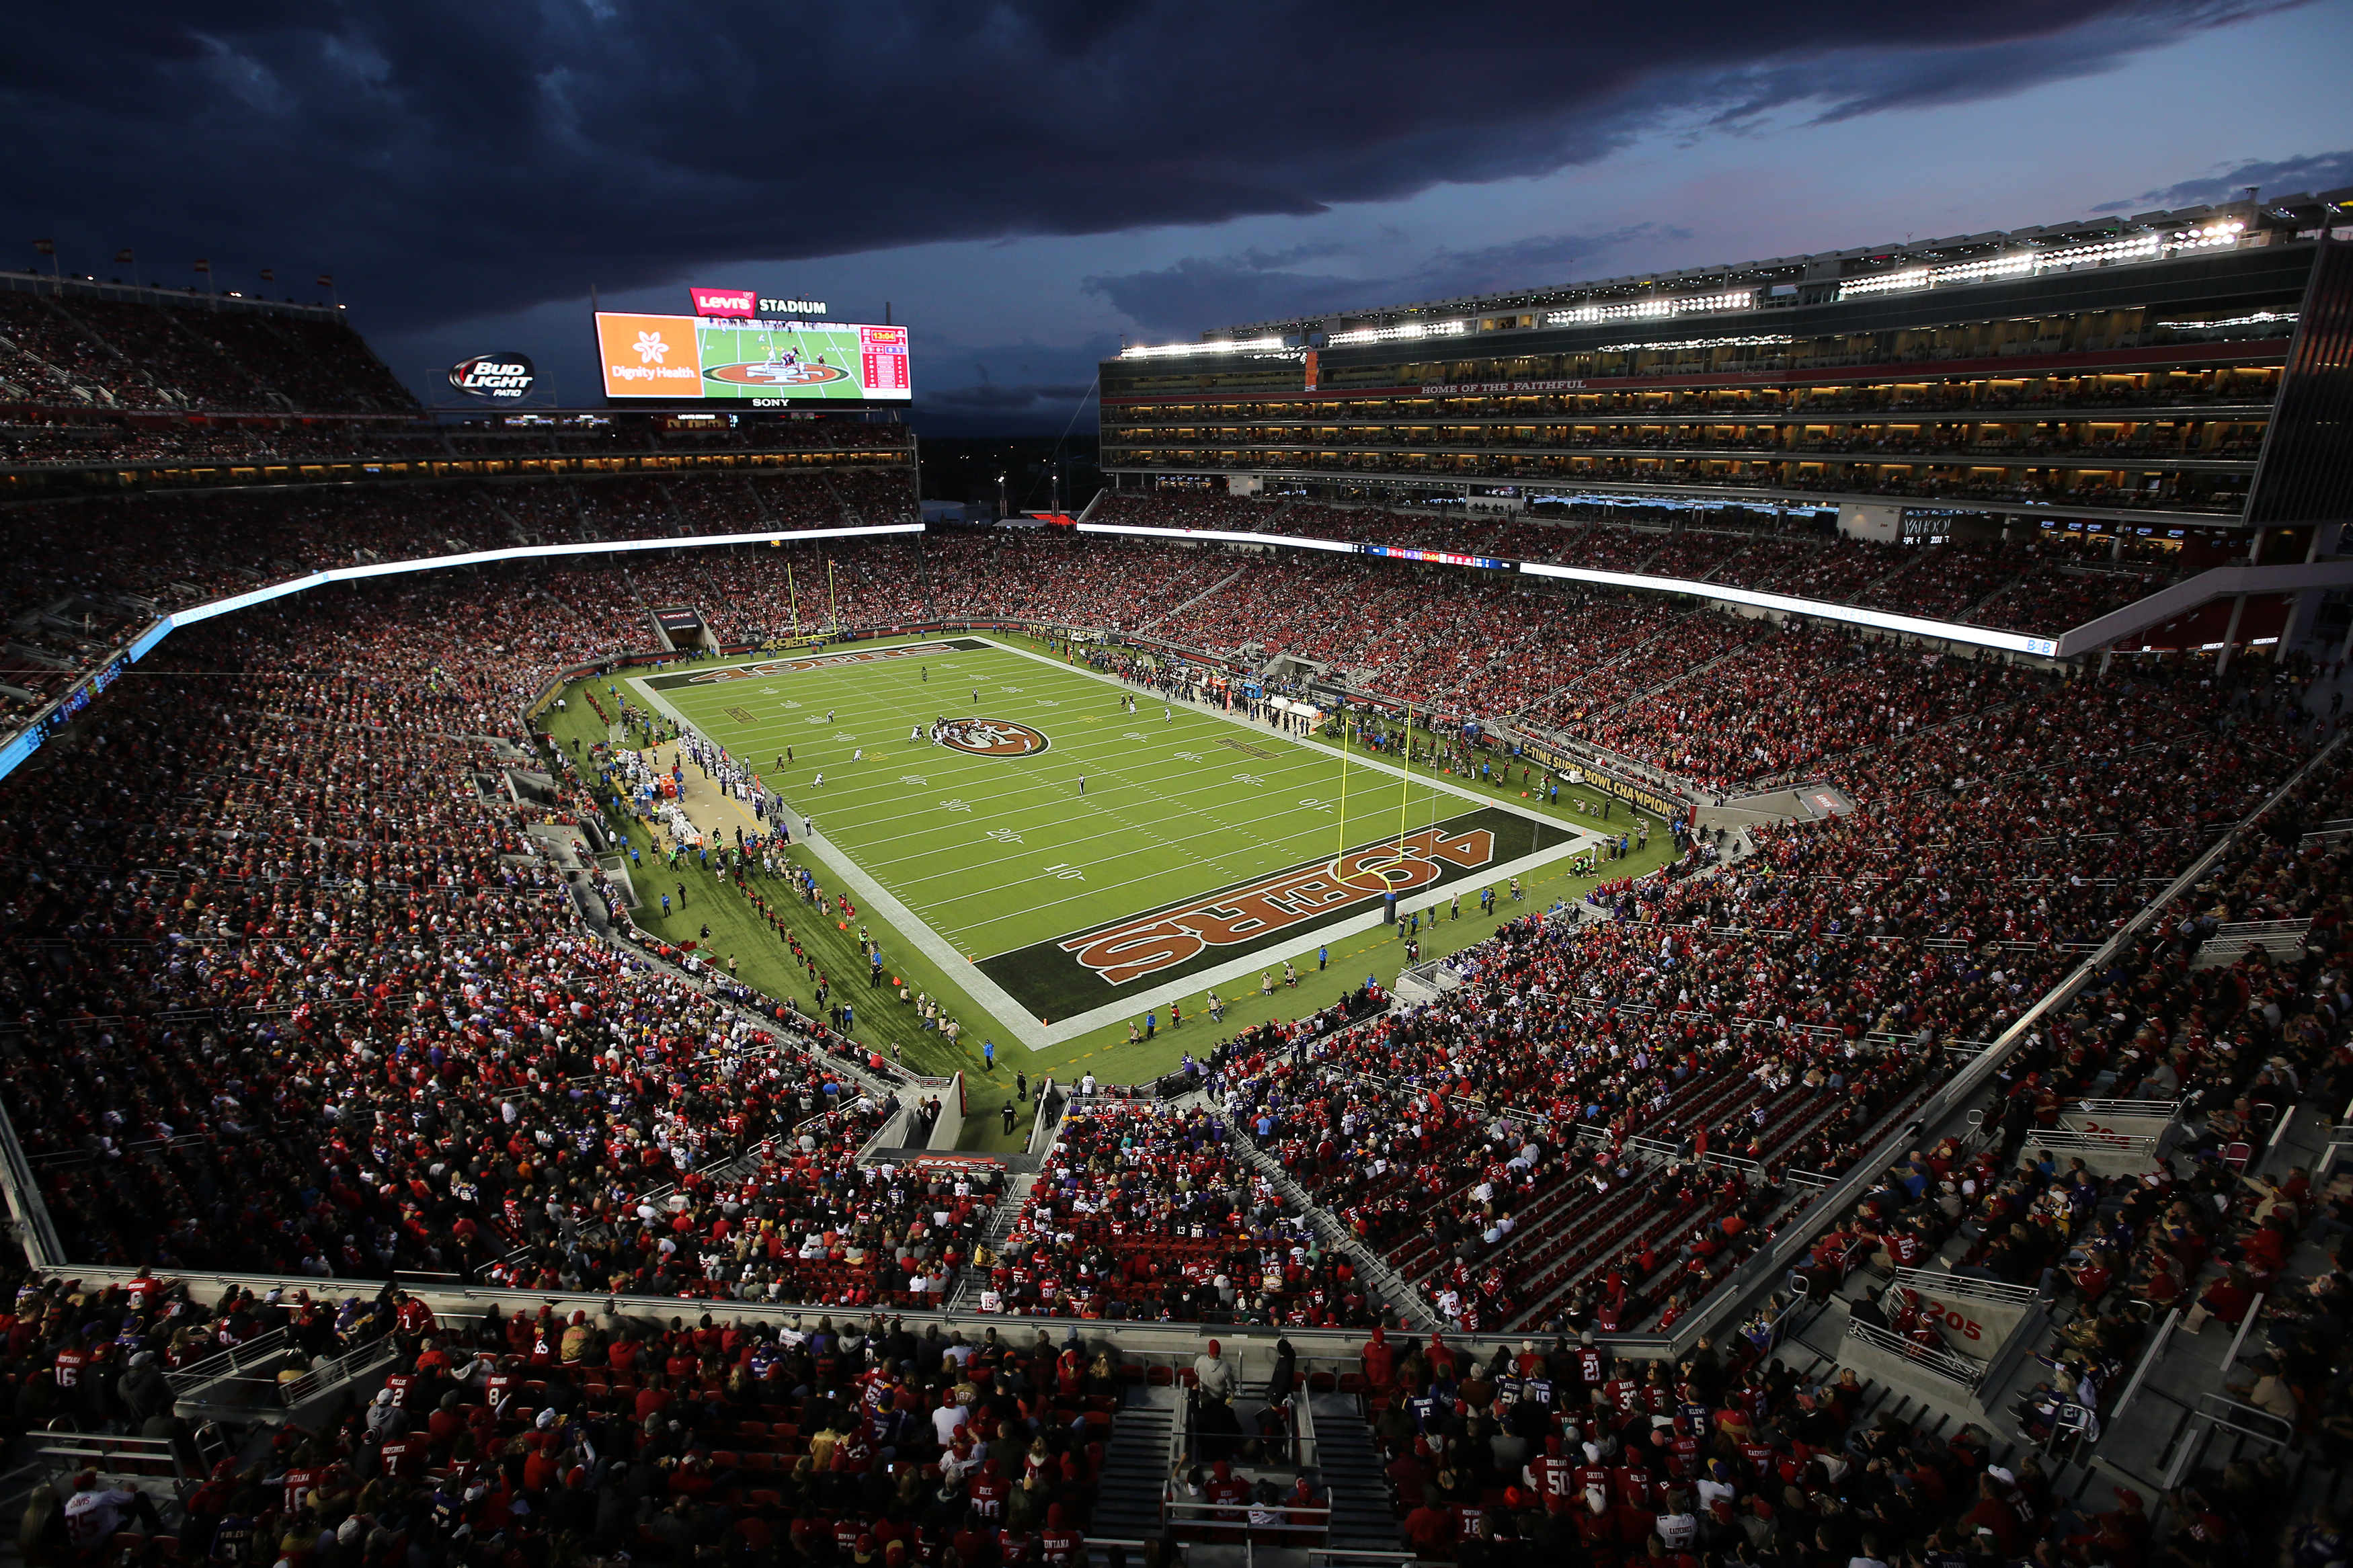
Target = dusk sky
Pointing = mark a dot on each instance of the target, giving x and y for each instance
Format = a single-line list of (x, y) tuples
[(1026, 184)]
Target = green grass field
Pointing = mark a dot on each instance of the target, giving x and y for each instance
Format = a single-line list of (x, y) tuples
[(988, 864), (837, 347)]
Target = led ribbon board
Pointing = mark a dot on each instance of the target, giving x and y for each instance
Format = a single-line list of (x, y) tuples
[(28, 741), (1813, 609)]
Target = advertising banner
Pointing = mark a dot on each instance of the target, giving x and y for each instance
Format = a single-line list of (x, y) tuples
[(725, 301), (763, 363)]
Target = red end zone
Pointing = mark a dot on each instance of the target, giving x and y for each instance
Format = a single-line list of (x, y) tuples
[(1250, 914)]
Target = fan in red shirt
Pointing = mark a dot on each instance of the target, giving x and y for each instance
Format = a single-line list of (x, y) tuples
[(1597, 1530), (1553, 1477), (1060, 1545), (1430, 1528)]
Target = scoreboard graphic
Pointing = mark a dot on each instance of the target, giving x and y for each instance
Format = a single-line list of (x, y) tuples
[(764, 364)]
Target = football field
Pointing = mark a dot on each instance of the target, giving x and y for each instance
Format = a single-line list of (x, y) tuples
[(811, 361), (1074, 862)]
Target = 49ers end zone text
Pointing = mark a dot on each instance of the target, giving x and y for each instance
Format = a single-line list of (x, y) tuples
[(1152, 942)]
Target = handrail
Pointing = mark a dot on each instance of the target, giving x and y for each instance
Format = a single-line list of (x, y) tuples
[(2231, 1416), (225, 1362), (26, 1205), (2167, 1108), (2150, 1357), (1939, 1283), (1957, 1370), (2069, 1140), (2247, 1321), (344, 1369)]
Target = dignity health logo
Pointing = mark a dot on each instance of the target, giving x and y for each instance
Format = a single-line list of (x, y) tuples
[(653, 362), (639, 351)]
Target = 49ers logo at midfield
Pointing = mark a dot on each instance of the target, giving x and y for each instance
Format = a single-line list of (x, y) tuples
[(993, 738), (777, 372)]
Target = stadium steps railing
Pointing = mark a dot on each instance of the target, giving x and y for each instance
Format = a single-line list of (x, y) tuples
[(1010, 1207), (1380, 1280), (1211, 591), (2234, 939)]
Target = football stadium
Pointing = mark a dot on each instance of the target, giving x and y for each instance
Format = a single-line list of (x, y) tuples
[(1687, 919)]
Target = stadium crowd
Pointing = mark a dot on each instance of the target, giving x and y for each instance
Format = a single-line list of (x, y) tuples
[(1145, 1211), (71, 348), (547, 1438), (329, 1016), (311, 1006)]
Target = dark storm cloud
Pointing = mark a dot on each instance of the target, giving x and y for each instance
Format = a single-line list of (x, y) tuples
[(451, 158), (997, 398), (1253, 285), (2311, 172)]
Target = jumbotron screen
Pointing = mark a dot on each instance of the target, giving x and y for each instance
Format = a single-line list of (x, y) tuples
[(766, 364)]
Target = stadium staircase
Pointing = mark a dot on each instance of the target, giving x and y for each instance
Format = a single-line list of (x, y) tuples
[(1350, 1467), (759, 502), (82, 328), (849, 512), (1144, 1454), (1976, 606), (1017, 1188), (1666, 541), (1884, 579), (1382, 1282), (588, 530), (1220, 586), (87, 393), (515, 529), (678, 526), (1710, 574), (1679, 678), (1589, 671)]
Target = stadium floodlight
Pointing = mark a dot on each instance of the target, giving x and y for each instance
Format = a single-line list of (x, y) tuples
[(1748, 341), (1885, 282), (2259, 318), (1663, 305), (1170, 351), (205, 611), (2023, 263), (1812, 609), (1403, 330), (30, 738)]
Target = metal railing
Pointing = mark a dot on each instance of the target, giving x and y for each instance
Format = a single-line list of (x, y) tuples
[(2228, 1415), (1960, 1371), (344, 1369), (2159, 1344), (236, 1361), (1938, 1283)]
